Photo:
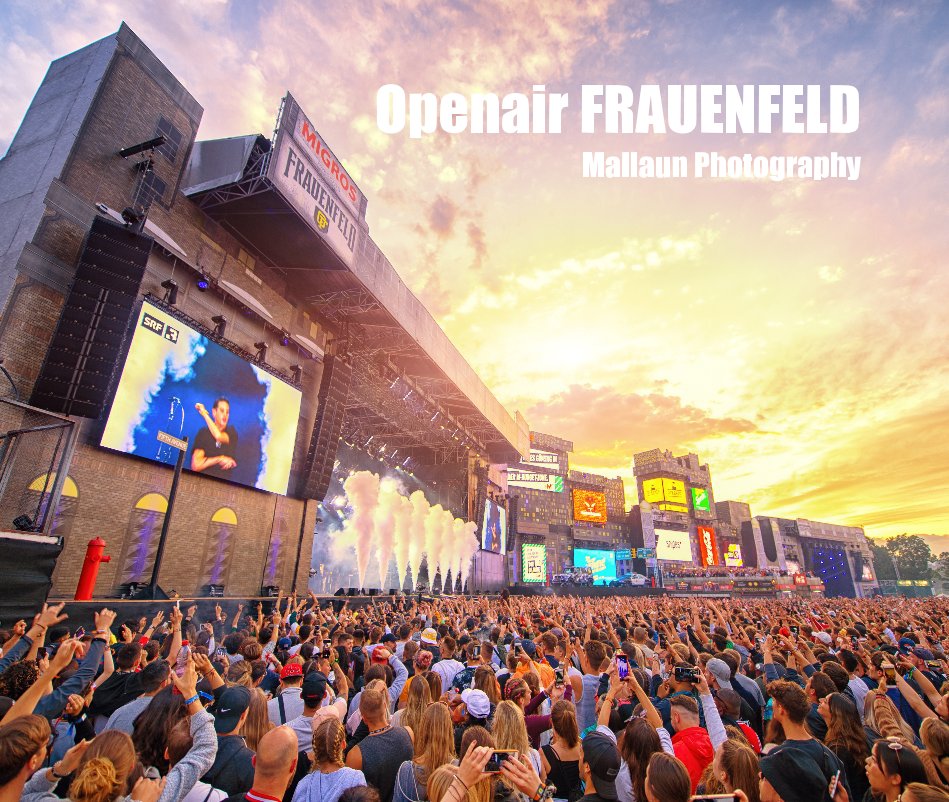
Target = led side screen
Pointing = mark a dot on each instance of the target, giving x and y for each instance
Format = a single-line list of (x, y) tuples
[(240, 421)]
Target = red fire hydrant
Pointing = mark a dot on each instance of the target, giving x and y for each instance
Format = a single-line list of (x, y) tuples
[(90, 568)]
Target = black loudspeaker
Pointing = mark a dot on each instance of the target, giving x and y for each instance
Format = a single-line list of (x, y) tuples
[(26, 572), (87, 347), (373, 591), (352, 592), (318, 468), (340, 592)]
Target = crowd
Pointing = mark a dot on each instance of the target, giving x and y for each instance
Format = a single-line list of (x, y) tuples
[(714, 571), (482, 700)]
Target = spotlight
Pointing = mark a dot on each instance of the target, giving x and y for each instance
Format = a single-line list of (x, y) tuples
[(203, 282), (285, 338), (297, 371), (436, 417), (261, 351), (220, 325), (170, 286)]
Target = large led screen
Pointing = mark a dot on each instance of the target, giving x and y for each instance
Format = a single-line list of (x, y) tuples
[(733, 556), (535, 480), (708, 546), (240, 421), (669, 490), (601, 563), (673, 545), (493, 527), (590, 506), (533, 563), (700, 499)]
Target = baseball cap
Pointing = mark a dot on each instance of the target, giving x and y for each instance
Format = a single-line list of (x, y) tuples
[(477, 702), (429, 635), (795, 775), (231, 705), (906, 645), (923, 653), (530, 648), (284, 643), (601, 755), (314, 689), (720, 670), (380, 655), (823, 637), (291, 670)]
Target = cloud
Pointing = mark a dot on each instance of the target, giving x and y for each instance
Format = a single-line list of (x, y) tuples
[(441, 216), (830, 273), (605, 421)]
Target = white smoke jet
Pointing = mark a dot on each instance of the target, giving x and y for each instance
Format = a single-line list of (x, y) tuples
[(469, 545), (402, 512), (446, 545), (433, 533), (458, 547), (420, 508), (362, 490), (385, 525)]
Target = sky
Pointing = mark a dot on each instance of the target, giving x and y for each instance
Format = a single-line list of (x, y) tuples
[(791, 333)]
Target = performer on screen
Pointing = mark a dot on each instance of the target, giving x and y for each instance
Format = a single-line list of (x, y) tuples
[(493, 534), (216, 443)]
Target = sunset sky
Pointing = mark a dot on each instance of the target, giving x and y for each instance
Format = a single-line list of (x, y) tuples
[(794, 334)]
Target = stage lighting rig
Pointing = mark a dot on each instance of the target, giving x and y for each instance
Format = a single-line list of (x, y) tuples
[(170, 286), (220, 325), (297, 371), (202, 282), (285, 338), (261, 351)]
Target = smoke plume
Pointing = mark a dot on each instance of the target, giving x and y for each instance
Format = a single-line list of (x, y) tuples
[(362, 490)]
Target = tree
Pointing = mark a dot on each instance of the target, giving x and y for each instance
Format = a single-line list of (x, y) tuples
[(882, 562), (911, 554), (942, 566)]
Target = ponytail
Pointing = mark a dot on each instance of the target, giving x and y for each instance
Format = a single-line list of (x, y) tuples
[(563, 716)]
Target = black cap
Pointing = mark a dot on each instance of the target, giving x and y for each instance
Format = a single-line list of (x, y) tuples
[(794, 775), (231, 705), (388, 638), (314, 689), (602, 756)]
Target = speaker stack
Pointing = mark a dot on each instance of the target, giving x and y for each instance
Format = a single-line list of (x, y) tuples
[(334, 390), (87, 347)]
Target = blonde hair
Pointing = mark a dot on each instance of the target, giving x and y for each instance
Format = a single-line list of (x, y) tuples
[(329, 741), (105, 770), (444, 776), (420, 697), (509, 728), (926, 793), (97, 781), (435, 741), (439, 782), (257, 724)]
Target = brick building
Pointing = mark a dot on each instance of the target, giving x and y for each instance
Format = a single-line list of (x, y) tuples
[(63, 170)]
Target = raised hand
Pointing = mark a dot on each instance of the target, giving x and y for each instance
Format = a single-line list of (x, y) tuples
[(104, 619), (51, 615)]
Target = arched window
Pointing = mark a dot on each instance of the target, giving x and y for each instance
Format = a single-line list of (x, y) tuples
[(219, 545), (141, 538), (37, 497)]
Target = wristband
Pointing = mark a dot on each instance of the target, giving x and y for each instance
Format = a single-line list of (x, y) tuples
[(192, 700), (52, 770)]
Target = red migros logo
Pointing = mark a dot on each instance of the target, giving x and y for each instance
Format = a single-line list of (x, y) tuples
[(319, 149)]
